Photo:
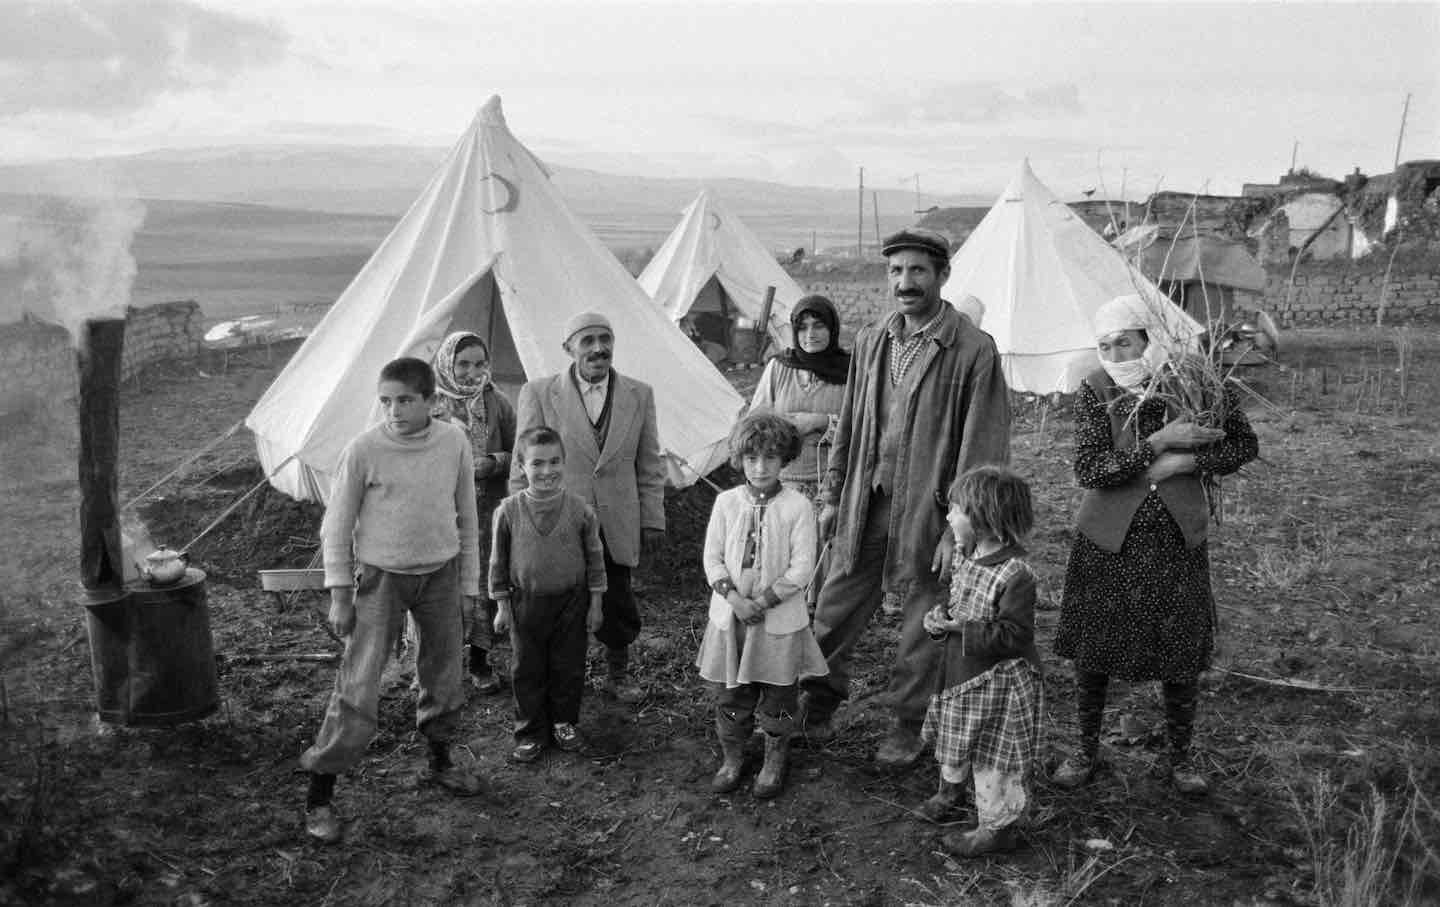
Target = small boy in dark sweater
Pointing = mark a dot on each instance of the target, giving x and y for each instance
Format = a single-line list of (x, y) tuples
[(547, 575)]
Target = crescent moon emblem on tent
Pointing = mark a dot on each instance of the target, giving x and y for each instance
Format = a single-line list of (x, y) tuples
[(714, 221), (512, 195)]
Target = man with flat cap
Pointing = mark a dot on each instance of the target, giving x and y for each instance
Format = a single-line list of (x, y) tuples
[(612, 460), (925, 400)]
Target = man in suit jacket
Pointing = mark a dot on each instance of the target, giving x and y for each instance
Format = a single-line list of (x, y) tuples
[(612, 460)]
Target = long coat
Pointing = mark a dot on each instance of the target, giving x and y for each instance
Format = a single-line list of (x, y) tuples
[(624, 482), (957, 417)]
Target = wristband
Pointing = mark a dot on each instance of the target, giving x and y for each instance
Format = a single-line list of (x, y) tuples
[(723, 587)]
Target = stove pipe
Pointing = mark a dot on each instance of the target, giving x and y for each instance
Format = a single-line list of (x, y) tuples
[(98, 359)]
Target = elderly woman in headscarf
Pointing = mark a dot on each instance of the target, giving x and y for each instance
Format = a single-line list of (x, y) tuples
[(466, 395), (1137, 602), (806, 385)]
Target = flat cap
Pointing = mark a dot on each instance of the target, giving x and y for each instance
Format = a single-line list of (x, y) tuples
[(917, 238), (577, 323)]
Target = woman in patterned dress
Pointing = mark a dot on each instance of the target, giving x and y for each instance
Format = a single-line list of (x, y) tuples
[(1137, 602), (466, 395), (806, 385)]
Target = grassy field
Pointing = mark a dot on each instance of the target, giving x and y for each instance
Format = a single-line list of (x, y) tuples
[(1318, 727)]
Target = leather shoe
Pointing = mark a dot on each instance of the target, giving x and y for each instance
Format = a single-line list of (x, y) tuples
[(567, 737), (526, 751), (461, 782), (322, 825)]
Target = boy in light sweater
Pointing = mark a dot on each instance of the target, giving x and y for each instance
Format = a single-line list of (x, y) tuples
[(399, 535), (547, 575)]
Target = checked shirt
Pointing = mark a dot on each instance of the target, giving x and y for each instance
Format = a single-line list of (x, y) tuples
[(991, 720)]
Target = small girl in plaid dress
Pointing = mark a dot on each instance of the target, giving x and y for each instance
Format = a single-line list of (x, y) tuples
[(984, 716)]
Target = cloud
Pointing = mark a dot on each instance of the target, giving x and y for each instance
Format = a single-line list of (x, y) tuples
[(116, 56), (972, 102)]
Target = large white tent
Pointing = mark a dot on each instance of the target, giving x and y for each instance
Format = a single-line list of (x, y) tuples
[(487, 247), (1042, 273), (711, 262)]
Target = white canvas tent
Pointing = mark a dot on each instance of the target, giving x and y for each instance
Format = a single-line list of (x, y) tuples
[(712, 263), (487, 247), (1042, 273)]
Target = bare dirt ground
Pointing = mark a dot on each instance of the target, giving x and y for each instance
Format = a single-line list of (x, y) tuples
[(1318, 728)]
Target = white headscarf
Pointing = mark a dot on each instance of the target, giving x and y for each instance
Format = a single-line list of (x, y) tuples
[(1133, 312)]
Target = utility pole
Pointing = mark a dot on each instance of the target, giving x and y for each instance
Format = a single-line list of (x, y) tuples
[(860, 222), (1294, 153), (875, 208), (917, 195), (1400, 139)]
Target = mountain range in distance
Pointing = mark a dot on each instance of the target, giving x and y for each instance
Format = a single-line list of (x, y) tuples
[(378, 183)]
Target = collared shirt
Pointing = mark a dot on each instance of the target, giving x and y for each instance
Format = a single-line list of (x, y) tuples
[(903, 353), (593, 395)]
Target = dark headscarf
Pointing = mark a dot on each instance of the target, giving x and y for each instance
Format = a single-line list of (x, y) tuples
[(830, 364)]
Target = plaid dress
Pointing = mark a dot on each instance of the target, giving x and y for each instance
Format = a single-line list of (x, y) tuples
[(991, 720)]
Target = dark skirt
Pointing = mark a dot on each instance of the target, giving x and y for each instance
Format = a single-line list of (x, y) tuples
[(1146, 613)]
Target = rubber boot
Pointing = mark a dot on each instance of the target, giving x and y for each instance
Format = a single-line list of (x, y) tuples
[(771, 779), (727, 777)]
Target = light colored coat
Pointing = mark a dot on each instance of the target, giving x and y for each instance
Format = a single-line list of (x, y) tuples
[(787, 555), (958, 416), (625, 482)]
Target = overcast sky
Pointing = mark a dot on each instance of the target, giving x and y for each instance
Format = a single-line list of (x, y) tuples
[(1185, 96)]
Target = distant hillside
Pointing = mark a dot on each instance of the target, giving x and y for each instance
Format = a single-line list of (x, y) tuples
[(384, 180)]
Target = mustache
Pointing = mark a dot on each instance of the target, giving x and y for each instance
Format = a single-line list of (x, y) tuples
[(597, 357)]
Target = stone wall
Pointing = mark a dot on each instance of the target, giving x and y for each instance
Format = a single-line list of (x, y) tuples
[(1323, 295), (37, 361)]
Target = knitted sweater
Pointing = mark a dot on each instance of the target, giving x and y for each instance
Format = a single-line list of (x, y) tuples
[(405, 504), (545, 546)]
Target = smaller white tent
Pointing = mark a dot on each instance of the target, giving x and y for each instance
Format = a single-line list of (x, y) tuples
[(488, 247), (1042, 273), (711, 262)]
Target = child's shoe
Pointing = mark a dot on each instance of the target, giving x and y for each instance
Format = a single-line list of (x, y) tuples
[(461, 782), (567, 737), (526, 751), (322, 825), (771, 779), (483, 676), (980, 841), (1187, 779), (732, 762), (486, 684), (944, 801), (1075, 771)]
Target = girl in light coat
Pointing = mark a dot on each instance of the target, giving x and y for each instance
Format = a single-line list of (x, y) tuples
[(759, 557)]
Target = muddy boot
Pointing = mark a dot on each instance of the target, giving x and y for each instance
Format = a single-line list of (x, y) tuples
[(727, 777), (771, 779)]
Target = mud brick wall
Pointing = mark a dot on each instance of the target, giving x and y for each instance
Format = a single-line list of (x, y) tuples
[(859, 302), (1328, 295), (37, 361), (162, 332)]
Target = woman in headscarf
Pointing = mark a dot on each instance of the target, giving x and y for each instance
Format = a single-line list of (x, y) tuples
[(806, 385), (466, 395), (1137, 602)]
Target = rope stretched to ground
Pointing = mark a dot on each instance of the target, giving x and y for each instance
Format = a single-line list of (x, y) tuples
[(184, 464), (685, 464), (242, 499)]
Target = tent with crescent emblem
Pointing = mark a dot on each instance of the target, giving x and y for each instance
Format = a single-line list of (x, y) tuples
[(1042, 273), (488, 247), (712, 274)]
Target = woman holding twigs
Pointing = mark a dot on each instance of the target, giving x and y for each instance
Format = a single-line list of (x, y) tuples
[(1150, 433), (466, 395), (806, 385)]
